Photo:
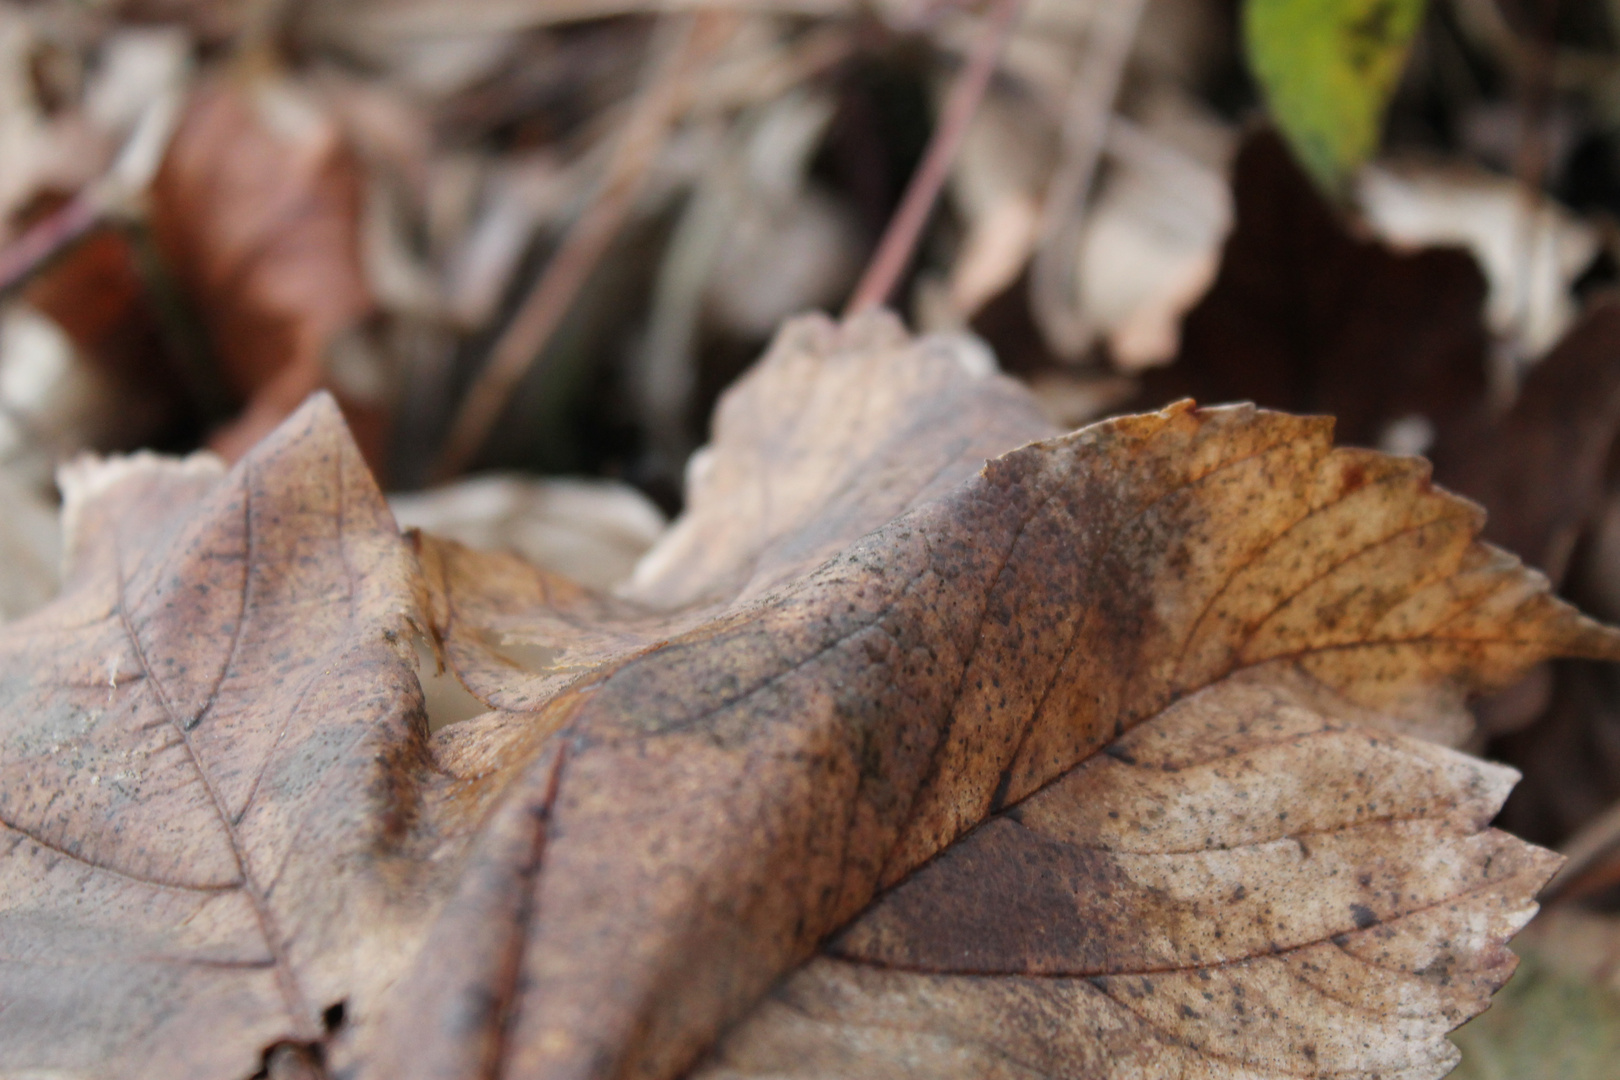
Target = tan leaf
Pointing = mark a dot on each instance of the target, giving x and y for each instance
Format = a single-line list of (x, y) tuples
[(1239, 886), (872, 698), (196, 744), (993, 636), (849, 429)]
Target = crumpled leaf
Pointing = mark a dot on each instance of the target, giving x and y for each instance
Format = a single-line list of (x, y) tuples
[(858, 661), (1038, 668), (876, 425), (1328, 70)]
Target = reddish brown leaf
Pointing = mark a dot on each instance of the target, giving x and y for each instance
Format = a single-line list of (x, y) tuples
[(94, 292), (256, 209)]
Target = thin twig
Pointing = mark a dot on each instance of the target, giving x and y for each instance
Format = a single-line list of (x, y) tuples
[(1530, 168), (1054, 280), (1595, 844), (894, 251), (47, 238), (686, 43), (107, 199)]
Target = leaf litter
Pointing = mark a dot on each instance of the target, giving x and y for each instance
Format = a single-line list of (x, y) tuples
[(1092, 755), (418, 176)]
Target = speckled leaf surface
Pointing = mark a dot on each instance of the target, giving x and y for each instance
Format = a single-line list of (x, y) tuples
[(928, 743)]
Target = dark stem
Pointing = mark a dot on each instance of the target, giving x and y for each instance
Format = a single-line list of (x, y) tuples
[(686, 42), (899, 241), (46, 239)]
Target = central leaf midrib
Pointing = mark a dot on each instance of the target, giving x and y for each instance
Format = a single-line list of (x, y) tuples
[(293, 999)]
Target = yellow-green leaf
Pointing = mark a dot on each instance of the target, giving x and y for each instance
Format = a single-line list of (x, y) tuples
[(1328, 68)]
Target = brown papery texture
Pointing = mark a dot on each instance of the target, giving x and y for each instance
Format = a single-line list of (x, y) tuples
[(1113, 754), (197, 750)]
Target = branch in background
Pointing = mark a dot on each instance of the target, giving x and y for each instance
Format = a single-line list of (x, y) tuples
[(48, 238), (899, 241), (687, 43), (1535, 94), (1054, 292), (1593, 855), (111, 196)]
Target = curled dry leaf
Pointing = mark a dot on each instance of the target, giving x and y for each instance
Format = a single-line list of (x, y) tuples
[(1093, 756)]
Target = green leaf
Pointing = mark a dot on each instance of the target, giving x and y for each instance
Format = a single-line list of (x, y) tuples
[(1328, 69)]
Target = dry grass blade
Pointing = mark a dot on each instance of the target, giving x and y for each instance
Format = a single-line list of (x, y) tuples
[(1091, 102), (686, 43), (899, 241), (46, 239)]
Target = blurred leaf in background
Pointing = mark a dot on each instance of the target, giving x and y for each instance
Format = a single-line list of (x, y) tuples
[(1328, 69)]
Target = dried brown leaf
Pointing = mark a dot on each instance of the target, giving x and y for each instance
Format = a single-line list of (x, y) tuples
[(865, 667), (1239, 886), (1307, 315), (191, 740), (963, 657)]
